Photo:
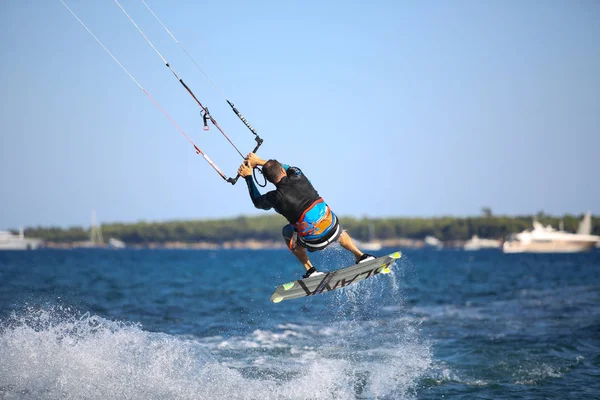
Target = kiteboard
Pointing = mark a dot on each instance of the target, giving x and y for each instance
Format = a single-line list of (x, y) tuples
[(335, 280)]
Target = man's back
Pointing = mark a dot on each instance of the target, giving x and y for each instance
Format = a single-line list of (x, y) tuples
[(293, 195)]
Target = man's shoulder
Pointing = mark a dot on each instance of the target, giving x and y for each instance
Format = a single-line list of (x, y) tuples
[(294, 171)]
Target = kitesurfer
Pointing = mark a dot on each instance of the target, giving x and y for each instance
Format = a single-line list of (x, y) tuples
[(312, 225)]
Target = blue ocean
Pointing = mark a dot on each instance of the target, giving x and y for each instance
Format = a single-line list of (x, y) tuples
[(191, 324)]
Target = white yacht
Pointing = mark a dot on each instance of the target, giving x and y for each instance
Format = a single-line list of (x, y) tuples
[(545, 239), (476, 243), (10, 241)]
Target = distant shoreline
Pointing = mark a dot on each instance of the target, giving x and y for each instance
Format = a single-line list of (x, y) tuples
[(235, 245), (264, 232)]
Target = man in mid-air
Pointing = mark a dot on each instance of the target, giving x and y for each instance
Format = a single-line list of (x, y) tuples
[(312, 225)]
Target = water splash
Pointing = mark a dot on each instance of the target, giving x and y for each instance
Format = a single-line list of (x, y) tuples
[(363, 344), (58, 353), (379, 336)]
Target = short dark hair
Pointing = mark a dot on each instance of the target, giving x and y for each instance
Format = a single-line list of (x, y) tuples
[(271, 170)]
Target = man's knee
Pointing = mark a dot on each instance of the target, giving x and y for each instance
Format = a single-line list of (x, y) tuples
[(287, 232)]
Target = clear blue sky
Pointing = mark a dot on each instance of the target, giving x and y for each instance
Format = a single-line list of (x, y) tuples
[(392, 108)]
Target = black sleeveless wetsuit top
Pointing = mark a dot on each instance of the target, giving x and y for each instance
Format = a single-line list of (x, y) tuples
[(293, 195)]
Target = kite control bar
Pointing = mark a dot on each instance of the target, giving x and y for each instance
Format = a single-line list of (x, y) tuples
[(259, 142)]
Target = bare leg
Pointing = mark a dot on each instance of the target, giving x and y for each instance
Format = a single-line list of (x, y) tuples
[(346, 242), (300, 253), (297, 250)]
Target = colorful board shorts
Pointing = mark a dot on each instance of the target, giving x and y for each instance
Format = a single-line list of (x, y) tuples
[(317, 228)]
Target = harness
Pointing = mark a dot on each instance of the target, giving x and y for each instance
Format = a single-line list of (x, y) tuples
[(322, 222), (320, 229)]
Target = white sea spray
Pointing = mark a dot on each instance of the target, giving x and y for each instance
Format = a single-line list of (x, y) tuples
[(58, 353)]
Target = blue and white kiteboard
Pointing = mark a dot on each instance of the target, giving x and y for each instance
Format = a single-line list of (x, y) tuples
[(336, 279)]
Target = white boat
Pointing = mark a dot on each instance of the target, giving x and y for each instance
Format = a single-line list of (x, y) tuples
[(368, 246), (476, 243), (545, 239), (433, 242), (116, 243), (10, 241), (96, 240), (372, 244)]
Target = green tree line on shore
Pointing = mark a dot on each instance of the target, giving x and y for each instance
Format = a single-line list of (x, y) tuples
[(269, 228)]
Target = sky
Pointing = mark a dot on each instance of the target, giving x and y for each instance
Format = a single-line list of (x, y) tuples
[(391, 108)]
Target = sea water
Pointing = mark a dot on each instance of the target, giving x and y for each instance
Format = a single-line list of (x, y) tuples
[(178, 324)]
